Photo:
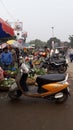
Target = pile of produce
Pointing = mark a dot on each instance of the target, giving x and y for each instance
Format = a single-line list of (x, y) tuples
[(40, 71), (12, 73), (33, 75), (31, 81), (6, 83)]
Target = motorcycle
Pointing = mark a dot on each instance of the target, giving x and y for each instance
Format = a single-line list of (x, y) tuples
[(55, 65), (53, 87)]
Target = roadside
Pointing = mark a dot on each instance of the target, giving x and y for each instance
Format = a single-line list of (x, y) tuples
[(70, 70)]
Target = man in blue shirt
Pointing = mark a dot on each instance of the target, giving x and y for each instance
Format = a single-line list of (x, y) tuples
[(6, 58)]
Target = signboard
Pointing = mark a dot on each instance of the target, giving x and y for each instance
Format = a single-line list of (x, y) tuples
[(24, 35), (18, 26)]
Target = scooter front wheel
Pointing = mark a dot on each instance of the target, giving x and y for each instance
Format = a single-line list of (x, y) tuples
[(14, 94), (61, 97)]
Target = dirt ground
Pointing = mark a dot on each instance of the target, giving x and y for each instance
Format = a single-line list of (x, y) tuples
[(70, 70)]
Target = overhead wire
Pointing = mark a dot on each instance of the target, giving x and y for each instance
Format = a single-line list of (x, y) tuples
[(8, 12)]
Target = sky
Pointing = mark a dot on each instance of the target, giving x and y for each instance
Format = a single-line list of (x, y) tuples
[(39, 16)]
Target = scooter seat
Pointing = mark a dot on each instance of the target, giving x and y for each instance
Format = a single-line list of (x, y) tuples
[(59, 61), (50, 78)]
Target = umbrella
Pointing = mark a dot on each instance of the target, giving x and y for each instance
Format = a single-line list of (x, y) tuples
[(11, 42), (17, 45), (14, 44), (3, 45)]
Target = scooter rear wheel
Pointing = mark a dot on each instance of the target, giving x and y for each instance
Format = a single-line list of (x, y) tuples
[(62, 99), (14, 94)]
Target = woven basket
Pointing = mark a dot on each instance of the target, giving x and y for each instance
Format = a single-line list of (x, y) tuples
[(3, 88), (30, 81)]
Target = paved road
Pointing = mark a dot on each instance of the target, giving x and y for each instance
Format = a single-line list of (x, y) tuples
[(36, 114)]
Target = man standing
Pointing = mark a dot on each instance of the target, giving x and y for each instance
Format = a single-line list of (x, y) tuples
[(6, 58), (71, 54)]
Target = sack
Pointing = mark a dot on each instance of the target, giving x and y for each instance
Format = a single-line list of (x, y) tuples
[(1, 74)]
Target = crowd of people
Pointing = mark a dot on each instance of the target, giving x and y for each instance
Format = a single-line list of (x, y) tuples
[(8, 57)]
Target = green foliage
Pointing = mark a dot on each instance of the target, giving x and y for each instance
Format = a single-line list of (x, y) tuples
[(71, 40), (56, 41), (38, 43), (7, 82)]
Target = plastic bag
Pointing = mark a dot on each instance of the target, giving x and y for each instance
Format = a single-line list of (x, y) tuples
[(1, 74)]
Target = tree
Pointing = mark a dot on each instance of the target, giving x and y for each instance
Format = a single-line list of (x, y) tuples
[(57, 42), (71, 40), (38, 43)]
